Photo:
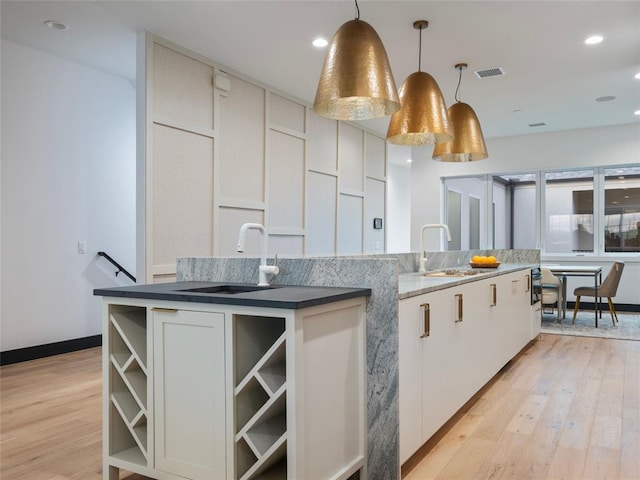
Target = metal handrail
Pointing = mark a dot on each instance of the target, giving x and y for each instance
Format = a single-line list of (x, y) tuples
[(116, 264)]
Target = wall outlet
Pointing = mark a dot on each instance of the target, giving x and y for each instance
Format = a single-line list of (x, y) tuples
[(82, 247)]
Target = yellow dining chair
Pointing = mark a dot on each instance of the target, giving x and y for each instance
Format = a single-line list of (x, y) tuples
[(607, 288)]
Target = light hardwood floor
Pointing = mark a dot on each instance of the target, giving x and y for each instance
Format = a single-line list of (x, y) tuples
[(567, 408)]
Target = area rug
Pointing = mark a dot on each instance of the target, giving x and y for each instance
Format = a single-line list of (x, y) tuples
[(628, 327)]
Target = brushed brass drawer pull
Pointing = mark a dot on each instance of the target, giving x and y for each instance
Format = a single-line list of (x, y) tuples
[(165, 310), (426, 312), (494, 295), (528, 283), (459, 297)]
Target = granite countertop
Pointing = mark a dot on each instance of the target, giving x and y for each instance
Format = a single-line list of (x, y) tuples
[(275, 296), (412, 284)]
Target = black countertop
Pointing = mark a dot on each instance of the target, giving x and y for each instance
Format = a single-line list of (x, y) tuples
[(275, 296)]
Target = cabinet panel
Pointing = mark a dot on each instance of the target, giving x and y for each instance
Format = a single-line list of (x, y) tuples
[(286, 113), (189, 393), (351, 158), (286, 181), (322, 143), (286, 245), (182, 88), (242, 142), (409, 376), (182, 195), (321, 216), (376, 156), (350, 214), (333, 390)]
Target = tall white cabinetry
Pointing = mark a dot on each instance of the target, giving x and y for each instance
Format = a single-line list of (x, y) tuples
[(206, 391), (451, 343)]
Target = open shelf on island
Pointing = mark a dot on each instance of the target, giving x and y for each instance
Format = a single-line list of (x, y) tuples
[(128, 384), (260, 397), (131, 323)]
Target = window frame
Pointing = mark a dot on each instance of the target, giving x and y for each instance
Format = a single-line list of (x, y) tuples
[(487, 241)]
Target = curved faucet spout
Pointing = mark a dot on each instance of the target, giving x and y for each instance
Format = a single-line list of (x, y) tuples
[(423, 259), (265, 271)]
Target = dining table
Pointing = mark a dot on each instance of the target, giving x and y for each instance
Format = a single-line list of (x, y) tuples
[(564, 271)]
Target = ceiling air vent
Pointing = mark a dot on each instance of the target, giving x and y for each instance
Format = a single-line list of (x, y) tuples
[(541, 124), (490, 72)]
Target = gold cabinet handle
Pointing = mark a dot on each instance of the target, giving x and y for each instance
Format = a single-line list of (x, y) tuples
[(165, 310), (528, 283), (459, 297), (494, 295), (426, 315)]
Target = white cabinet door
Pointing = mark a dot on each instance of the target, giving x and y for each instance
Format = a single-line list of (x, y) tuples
[(432, 357), (189, 393), (410, 330), (468, 358), (420, 334)]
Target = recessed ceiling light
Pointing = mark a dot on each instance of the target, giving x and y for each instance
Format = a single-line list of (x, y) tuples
[(409, 160), (55, 25), (594, 39), (320, 43), (606, 98), (637, 112), (637, 76)]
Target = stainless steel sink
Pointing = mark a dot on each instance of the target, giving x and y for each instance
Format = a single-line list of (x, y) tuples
[(227, 289), (451, 273)]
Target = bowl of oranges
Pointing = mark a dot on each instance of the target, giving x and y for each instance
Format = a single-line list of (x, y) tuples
[(480, 261)]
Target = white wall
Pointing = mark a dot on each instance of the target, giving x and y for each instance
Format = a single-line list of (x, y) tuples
[(614, 145), (68, 175), (398, 199)]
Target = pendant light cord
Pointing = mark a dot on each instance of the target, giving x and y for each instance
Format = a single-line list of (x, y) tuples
[(420, 52), (458, 87), (357, 10)]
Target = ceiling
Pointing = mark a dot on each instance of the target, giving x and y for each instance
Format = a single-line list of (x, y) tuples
[(552, 77)]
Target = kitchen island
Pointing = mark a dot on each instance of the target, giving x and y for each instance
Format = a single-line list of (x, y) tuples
[(385, 275), (210, 380)]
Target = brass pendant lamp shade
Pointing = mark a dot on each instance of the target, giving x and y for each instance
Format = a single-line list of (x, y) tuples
[(423, 118), (356, 82), (468, 142)]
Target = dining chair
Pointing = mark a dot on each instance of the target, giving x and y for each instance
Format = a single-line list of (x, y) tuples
[(551, 291), (607, 288)]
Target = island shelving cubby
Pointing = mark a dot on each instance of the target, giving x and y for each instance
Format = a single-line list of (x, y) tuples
[(260, 397), (127, 370)]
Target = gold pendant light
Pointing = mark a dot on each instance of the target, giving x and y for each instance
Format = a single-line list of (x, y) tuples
[(356, 82), (468, 142), (423, 118)]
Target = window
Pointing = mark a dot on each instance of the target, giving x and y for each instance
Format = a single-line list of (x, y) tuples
[(514, 210), (583, 211), (621, 210), (465, 214), (569, 211)]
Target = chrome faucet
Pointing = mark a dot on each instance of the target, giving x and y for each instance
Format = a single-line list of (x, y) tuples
[(266, 272), (423, 253)]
